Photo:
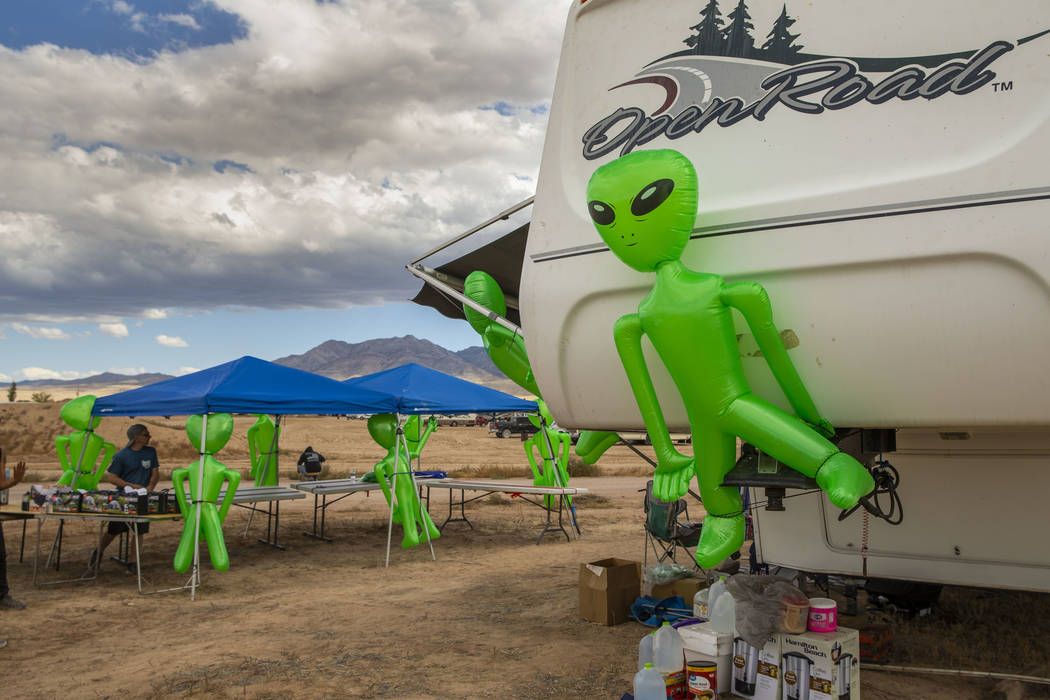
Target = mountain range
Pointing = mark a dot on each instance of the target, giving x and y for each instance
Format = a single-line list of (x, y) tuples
[(341, 360)]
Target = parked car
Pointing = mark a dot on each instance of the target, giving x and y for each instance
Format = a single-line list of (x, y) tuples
[(505, 427), (454, 421)]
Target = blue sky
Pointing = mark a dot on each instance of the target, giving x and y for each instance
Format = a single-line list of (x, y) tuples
[(188, 181)]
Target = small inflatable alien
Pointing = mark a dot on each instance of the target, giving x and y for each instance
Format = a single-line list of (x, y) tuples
[(262, 443), (83, 441), (506, 349), (644, 207), (407, 510), (204, 494), (557, 440)]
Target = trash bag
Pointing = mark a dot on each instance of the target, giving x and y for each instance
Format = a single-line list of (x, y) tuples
[(665, 572), (766, 605)]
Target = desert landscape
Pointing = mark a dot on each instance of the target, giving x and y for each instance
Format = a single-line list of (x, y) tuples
[(494, 616)]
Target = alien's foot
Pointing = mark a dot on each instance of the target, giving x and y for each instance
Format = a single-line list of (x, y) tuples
[(720, 536), (844, 480)]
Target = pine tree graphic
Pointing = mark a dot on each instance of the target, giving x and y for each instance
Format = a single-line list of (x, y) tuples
[(780, 46), (737, 38), (707, 40)]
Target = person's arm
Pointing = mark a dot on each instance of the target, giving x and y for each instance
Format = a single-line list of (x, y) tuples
[(118, 482), (16, 476), (154, 477)]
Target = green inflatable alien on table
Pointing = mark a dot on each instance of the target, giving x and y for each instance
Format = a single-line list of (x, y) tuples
[(407, 509), (553, 450), (82, 446), (644, 207), (204, 494), (262, 444)]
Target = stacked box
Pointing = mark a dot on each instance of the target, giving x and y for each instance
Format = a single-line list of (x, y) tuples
[(51, 498), (608, 587), (821, 665), (756, 671)]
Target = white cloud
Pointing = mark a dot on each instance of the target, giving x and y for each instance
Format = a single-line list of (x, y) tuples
[(5, 378), (170, 341), (359, 126), (180, 19), (41, 333), (32, 373), (154, 314), (117, 330), (186, 370), (126, 370)]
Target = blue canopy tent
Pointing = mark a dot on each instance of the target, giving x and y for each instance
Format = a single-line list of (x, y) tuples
[(245, 385), (420, 390), (417, 389)]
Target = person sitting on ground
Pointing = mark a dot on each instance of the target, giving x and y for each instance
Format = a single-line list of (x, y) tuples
[(135, 466), (6, 601), (309, 465)]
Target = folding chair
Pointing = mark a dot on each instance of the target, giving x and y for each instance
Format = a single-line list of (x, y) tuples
[(665, 534)]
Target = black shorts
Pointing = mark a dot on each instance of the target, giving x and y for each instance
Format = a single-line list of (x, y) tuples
[(116, 527)]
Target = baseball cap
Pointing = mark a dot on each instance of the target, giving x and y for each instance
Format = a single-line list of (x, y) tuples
[(134, 431)]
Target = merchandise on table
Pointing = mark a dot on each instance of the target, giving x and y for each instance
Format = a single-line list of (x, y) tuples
[(62, 499)]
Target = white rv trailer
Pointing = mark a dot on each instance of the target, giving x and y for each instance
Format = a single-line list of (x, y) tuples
[(882, 169)]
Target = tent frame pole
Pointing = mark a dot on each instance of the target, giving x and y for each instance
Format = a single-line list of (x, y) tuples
[(197, 501), (557, 478)]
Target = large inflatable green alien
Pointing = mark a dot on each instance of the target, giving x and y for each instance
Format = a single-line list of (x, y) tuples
[(204, 494), (644, 207), (407, 510), (553, 446), (506, 349), (262, 443), (82, 446)]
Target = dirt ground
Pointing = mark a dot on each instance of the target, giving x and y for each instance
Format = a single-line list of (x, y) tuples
[(494, 616)]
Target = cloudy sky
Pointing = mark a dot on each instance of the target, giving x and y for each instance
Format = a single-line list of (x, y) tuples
[(188, 181)]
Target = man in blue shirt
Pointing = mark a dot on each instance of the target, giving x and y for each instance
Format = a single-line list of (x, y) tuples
[(135, 466)]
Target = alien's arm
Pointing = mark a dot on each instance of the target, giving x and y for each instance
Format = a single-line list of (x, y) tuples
[(751, 300), (252, 452), (62, 445), (507, 351), (108, 450), (178, 483), (233, 478), (593, 444), (530, 447), (628, 335)]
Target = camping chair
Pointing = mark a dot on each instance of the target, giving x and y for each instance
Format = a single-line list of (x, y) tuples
[(664, 532)]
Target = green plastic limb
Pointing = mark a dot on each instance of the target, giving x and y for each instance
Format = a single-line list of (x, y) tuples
[(752, 301), (233, 479), (673, 471)]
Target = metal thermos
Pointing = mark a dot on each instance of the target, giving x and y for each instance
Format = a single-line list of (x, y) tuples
[(845, 675), (797, 667), (745, 667)]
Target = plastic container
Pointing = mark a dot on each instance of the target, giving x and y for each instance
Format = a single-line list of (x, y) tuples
[(704, 646), (649, 684), (645, 650), (823, 615), (723, 614), (717, 589), (700, 608), (668, 650)]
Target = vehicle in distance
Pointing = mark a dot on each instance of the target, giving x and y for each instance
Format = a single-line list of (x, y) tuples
[(506, 426)]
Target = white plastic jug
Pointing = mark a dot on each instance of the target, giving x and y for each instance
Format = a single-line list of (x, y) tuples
[(668, 650), (723, 614), (700, 604), (645, 650), (649, 684), (717, 589)]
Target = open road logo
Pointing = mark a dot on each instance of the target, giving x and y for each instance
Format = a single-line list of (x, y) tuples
[(708, 83)]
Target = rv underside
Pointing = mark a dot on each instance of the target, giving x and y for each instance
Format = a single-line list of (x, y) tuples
[(974, 513)]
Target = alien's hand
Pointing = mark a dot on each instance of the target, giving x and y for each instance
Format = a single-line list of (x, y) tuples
[(671, 479), (433, 422), (825, 428)]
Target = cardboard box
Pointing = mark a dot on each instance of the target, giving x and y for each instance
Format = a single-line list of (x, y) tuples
[(756, 672), (608, 588), (828, 662), (684, 587)]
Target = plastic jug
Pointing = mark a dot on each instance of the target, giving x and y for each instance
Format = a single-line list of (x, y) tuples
[(649, 684), (718, 588), (645, 650), (668, 650), (700, 606), (723, 614)]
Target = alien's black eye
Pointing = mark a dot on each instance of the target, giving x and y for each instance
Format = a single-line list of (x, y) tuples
[(652, 196), (601, 213)]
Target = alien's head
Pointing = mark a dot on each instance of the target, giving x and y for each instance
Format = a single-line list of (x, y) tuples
[(383, 429), (644, 206), (220, 428)]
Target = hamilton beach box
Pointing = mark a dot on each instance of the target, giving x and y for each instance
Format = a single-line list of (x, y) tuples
[(608, 587), (756, 672), (821, 665)]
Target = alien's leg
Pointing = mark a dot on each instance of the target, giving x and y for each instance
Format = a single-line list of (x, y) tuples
[(211, 529), (403, 492), (791, 441), (723, 528), (184, 552)]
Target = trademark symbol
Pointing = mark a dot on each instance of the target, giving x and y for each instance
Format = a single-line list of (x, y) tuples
[(1004, 86)]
